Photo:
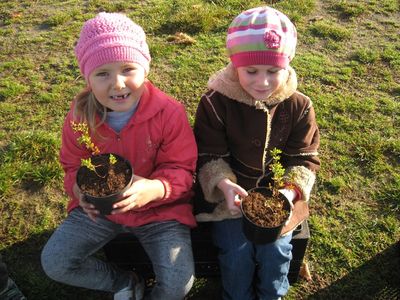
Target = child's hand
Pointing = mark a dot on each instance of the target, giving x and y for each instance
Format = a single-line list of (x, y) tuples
[(87, 207), (231, 191), (290, 194), (141, 192)]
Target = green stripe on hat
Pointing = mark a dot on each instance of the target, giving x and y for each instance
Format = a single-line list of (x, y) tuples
[(252, 47)]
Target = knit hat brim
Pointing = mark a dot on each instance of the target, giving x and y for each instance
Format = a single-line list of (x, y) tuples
[(107, 55), (243, 59)]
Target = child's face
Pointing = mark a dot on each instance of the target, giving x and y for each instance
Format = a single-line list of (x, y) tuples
[(261, 81), (118, 85)]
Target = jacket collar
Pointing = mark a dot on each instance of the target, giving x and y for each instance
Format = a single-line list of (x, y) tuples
[(148, 107), (226, 82)]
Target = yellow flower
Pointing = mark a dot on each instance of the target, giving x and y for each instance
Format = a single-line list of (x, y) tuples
[(85, 138)]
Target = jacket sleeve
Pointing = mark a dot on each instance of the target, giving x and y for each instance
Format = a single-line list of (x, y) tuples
[(176, 157), (213, 163), (70, 155), (301, 152)]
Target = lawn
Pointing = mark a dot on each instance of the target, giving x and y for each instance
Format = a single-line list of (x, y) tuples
[(347, 61)]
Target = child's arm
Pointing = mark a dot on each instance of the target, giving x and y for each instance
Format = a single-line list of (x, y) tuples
[(87, 207), (141, 192), (177, 156), (231, 190), (212, 142), (175, 164), (301, 151)]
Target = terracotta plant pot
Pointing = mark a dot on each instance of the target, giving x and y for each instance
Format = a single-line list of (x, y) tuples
[(105, 187), (264, 227)]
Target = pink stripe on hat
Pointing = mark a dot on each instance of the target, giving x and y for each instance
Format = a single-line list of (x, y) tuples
[(247, 39), (243, 59)]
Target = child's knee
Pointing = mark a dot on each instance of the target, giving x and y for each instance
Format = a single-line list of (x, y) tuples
[(176, 284), (177, 289), (188, 285), (283, 247), (48, 265), (53, 265)]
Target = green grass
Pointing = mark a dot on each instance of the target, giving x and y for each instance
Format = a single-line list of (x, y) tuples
[(347, 61)]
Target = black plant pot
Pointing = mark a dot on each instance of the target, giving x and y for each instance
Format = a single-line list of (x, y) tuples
[(263, 235), (104, 203)]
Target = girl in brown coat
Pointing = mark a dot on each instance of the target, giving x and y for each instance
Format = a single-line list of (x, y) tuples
[(251, 107)]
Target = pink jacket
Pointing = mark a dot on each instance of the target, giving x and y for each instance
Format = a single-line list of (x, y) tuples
[(159, 143)]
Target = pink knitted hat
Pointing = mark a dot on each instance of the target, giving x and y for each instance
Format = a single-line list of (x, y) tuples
[(261, 36), (111, 37)]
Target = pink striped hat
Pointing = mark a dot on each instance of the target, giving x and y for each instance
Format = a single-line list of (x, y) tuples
[(111, 37), (261, 36)]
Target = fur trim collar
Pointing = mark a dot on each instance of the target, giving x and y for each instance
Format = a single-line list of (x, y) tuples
[(226, 82)]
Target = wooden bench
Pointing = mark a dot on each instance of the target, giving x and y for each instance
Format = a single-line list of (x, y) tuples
[(126, 252)]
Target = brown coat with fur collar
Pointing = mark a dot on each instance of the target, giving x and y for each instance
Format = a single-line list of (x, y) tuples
[(235, 133)]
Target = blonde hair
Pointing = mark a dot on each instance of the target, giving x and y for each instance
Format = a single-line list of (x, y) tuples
[(86, 108)]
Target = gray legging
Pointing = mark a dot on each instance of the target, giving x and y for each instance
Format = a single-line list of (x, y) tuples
[(67, 256)]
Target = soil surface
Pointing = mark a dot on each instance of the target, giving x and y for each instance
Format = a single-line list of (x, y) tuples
[(264, 211), (108, 179)]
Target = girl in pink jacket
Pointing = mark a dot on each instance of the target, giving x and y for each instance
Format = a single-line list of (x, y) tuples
[(128, 116)]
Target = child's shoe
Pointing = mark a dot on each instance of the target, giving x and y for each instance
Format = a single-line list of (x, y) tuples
[(11, 292)]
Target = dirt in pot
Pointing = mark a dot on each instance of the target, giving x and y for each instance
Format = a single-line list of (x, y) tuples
[(108, 178), (264, 211)]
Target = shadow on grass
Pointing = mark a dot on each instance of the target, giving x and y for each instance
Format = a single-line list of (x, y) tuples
[(378, 278), (23, 263)]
